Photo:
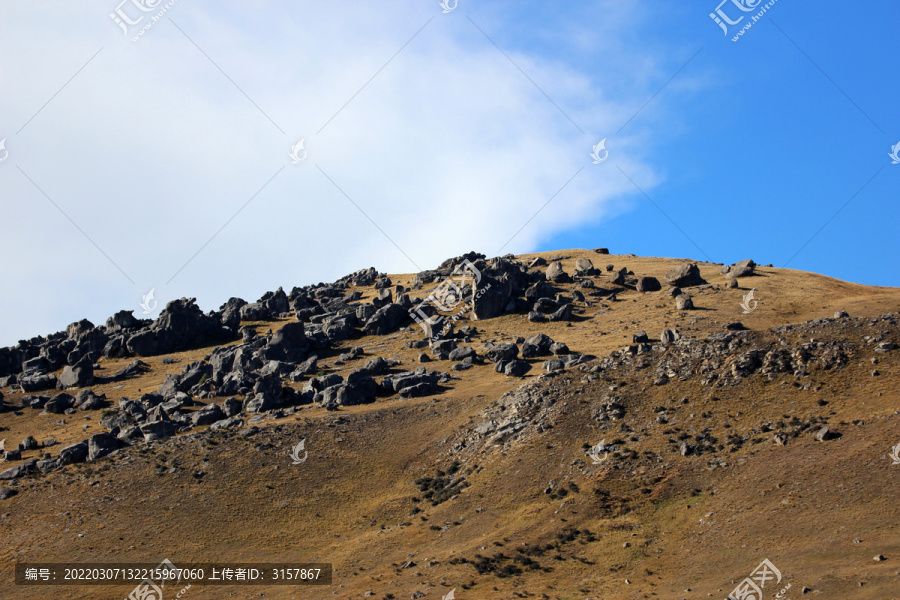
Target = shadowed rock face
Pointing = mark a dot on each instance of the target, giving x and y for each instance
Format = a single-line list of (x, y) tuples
[(686, 275), (289, 344), (181, 325)]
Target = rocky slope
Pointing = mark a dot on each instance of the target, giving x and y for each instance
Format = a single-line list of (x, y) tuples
[(513, 427)]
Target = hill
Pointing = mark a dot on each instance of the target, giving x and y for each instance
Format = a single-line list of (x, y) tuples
[(592, 426)]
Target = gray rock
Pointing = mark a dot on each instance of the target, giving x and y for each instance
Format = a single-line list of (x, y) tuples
[(47, 464), (289, 344), (537, 345), (418, 390), (180, 325), (684, 302), (618, 277), (556, 274), (516, 368), (554, 364), (76, 453), (386, 319), (686, 275), (557, 348), (226, 424), (461, 353), (192, 374), (648, 284), (80, 374), (744, 268), (20, 470), (536, 317), (426, 380), (502, 352), (824, 434), (88, 400), (376, 366), (158, 430), (231, 407), (260, 403), (59, 404), (101, 444), (584, 267), (7, 493), (563, 313), (207, 415), (37, 382), (121, 419), (668, 336)]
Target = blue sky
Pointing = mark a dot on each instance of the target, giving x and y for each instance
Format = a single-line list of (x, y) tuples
[(163, 163), (773, 147)]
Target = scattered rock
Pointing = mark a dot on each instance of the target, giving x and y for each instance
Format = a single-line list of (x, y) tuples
[(516, 368), (100, 444), (502, 352), (648, 284), (76, 453), (556, 274), (684, 302), (584, 267), (686, 275), (824, 434), (80, 374), (537, 345), (207, 415), (744, 268), (668, 336)]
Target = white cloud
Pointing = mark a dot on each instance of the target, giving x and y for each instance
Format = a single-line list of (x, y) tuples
[(151, 149)]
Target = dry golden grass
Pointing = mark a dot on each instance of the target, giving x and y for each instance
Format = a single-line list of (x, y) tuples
[(686, 526)]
